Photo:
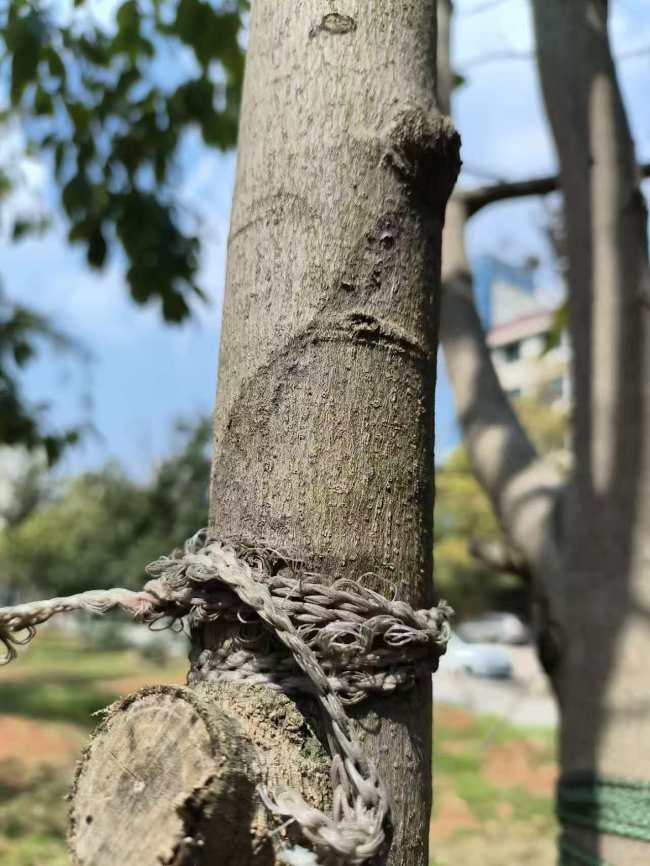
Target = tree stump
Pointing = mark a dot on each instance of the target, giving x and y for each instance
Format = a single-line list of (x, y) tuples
[(170, 776)]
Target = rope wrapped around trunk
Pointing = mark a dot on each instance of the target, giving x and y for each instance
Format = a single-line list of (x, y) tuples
[(344, 642)]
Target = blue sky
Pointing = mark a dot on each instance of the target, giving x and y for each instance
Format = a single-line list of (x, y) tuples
[(145, 374)]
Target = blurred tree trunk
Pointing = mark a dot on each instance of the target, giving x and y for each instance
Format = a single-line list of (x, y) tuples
[(603, 678), (587, 543), (324, 418)]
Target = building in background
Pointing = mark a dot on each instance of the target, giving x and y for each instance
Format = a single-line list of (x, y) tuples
[(518, 325), (518, 338), (491, 276)]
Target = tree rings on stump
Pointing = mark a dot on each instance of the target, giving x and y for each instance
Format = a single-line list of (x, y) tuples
[(167, 779)]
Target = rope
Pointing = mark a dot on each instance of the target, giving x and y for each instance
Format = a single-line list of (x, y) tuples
[(603, 804), (344, 640)]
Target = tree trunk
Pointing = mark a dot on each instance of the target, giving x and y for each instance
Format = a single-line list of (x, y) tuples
[(604, 678), (596, 535), (323, 428), (324, 418), (524, 489)]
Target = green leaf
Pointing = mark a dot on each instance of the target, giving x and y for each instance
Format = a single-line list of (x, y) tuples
[(558, 327), (29, 225), (23, 352), (127, 18), (97, 249), (20, 229), (54, 63), (43, 104), (75, 194), (458, 80), (25, 42), (175, 307), (5, 184)]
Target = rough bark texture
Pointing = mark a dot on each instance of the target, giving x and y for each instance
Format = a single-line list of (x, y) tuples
[(323, 426), (604, 676)]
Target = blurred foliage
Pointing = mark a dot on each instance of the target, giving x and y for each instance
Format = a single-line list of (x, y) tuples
[(559, 326), (102, 528), (463, 513), (23, 333), (554, 227), (25, 484), (546, 425), (33, 814), (107, 108), (105, 102)]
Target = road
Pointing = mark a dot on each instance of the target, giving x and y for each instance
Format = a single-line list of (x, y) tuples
[(523, 700)]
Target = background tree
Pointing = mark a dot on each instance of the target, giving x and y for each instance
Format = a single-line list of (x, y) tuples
[(583, 540), (476, 567), (101, 529)]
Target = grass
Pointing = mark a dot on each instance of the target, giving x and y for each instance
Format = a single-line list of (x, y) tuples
[(59, 679), (492, 781), (493, 785), (33, 815)]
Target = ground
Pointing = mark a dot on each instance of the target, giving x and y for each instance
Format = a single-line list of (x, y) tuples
[(493, 780), (493, 791)]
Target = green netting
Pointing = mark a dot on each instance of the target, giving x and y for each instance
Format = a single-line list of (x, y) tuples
[(602, 804)]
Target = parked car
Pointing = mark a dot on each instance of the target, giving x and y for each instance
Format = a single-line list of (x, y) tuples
[(481, 660), (494, 627)]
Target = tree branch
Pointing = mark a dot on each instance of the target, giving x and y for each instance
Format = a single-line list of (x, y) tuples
[(482, 196), (525, 490), (497, 556)]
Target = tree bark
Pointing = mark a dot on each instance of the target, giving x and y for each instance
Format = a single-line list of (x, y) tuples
[(604, 676), (324, 418)]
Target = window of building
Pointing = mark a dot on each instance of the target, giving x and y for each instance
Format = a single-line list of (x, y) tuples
[(512, 351)]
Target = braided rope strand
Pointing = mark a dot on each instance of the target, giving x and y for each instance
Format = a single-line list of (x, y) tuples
[(344, 642)]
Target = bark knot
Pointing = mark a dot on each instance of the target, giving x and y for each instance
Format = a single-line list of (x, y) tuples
[(424, 149), (335, 24)]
